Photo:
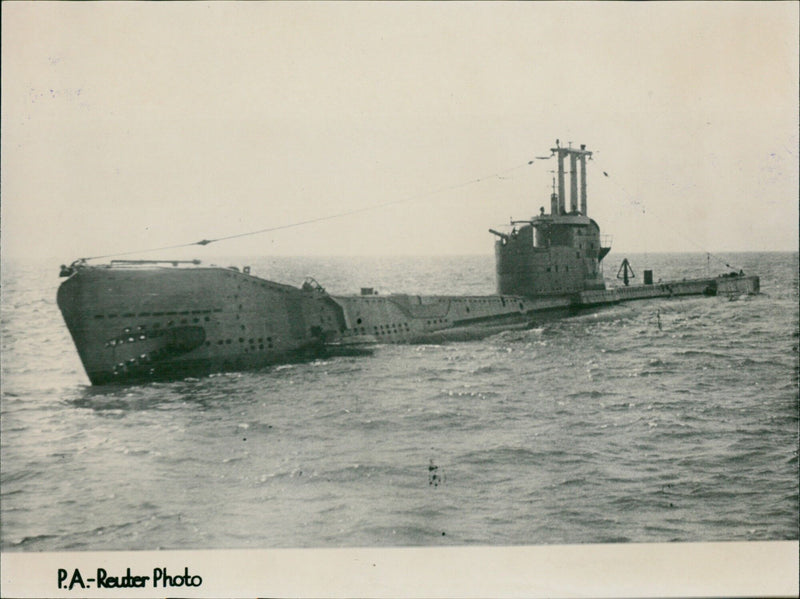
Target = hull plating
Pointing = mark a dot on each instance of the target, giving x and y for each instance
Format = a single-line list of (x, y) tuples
[(160, 322), (132, 324)]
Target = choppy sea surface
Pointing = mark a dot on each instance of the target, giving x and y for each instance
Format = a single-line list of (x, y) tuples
[(600, 427)]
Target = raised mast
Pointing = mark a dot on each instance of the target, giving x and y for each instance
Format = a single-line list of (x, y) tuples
[(573, 182), (583, 179), (574, 157), (561, 153)]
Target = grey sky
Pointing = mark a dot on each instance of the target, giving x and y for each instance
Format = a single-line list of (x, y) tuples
[(135, 125)]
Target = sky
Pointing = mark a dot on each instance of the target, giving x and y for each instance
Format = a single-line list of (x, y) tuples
[(131, 126)]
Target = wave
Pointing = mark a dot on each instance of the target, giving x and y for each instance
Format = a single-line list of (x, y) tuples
[(508, 455), (30, 542)]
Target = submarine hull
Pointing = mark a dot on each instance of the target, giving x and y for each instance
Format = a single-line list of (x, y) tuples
[(134, 324)]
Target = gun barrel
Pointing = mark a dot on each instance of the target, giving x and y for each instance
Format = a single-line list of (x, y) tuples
[(499, 234)]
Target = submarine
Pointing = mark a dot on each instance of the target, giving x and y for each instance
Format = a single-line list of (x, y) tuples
[(139, 320)]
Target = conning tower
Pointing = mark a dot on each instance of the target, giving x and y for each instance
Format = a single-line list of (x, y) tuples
[(556, 253)]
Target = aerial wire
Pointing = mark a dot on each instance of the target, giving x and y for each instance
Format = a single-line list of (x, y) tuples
[(634, 202), (204, 242)]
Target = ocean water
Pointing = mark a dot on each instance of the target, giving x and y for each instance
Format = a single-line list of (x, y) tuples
[(601, 427)]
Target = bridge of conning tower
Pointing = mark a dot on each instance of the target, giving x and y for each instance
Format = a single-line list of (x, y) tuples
[(557, 253)]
